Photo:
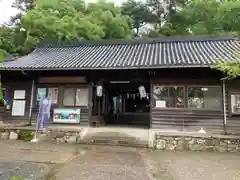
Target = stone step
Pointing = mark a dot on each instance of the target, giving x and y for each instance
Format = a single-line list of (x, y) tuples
[(115, 139), (116, 142)]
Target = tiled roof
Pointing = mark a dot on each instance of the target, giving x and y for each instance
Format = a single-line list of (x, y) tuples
[(131, 54)]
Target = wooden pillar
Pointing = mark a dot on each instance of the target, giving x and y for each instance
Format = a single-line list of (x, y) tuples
[(90, 103), (31, 102), (224, 106), (151, 104)]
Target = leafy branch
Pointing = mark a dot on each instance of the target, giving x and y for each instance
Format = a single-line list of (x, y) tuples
[(231, 70)]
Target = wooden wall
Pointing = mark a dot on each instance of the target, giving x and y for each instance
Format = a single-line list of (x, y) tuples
[(167, 119), (27, 85), (6, 115), (233, 121), (187, 119), (84, 116)]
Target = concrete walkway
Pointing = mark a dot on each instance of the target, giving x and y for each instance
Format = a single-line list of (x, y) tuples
[(81, 162)]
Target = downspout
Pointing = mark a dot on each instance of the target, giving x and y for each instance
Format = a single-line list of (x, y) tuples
[(224, 107)]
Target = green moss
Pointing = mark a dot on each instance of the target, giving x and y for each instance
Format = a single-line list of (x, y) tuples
[(25, 135)]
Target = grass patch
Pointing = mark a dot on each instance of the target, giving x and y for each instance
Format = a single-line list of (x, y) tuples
[(25, 135)]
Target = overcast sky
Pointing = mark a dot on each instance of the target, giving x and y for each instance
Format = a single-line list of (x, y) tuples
[(6, 11)]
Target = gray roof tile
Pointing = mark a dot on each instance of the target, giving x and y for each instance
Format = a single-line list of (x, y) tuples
[(133, 54)]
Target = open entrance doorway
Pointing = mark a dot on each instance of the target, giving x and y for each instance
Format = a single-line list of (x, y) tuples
[(121, 104)]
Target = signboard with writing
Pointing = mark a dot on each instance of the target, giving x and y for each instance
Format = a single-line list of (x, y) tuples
[(66, 115), (41, 94)]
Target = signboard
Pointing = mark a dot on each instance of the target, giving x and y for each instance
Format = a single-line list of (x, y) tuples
[(53, 93), (19, 94), (41, 94), (18, 107), (66, 115), (160, 104)]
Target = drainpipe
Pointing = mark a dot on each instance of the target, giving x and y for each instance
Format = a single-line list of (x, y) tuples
[(224, 107), (31, 103)]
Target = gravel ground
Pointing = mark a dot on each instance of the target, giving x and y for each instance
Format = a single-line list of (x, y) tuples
[(24, 170), (106, 163), (80, 162), (194, 165)]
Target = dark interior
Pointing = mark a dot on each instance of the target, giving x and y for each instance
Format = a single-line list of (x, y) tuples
[(121, 104)]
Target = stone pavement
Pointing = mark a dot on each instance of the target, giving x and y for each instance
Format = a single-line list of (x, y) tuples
[(70, 162)]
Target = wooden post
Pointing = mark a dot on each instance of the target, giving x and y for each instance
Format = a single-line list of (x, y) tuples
[(224, 107), (31, 102), (99, 108), (90, 103)]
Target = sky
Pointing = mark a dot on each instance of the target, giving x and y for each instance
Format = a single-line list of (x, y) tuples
[(6, 11)]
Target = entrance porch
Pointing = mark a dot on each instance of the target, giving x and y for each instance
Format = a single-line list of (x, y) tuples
[(121, 104)]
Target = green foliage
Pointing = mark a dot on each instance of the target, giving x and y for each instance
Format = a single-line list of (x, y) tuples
[(212, 17), (2, 56), (64, 20), (73, 20), (23, 6), (228, 17), (230, 70), (17, 178), (139, 12), (68, 20), (25, 135)]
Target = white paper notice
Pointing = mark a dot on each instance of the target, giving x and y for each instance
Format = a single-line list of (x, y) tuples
[(161, 104), (18, 108), (53, 93), (19, 94)]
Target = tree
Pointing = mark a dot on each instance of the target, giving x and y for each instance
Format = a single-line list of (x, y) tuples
[(140, 14), (11, 40), (64, 20), (196, 17), (212, 17), (23, 6), (227, 17), (227, 21), (230, 70), (170, 20)]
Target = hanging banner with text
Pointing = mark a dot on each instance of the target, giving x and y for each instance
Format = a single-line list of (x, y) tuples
[(66, 115)]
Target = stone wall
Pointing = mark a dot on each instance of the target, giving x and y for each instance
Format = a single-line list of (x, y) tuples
[(197, 143), (53, 136)]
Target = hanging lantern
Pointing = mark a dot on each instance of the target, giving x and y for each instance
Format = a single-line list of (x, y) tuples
[(99, 91), (142, 91)]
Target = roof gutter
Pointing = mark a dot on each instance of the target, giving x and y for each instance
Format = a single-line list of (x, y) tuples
[(114, 68)]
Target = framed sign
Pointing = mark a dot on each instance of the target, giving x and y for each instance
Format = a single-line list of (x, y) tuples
[(18, 107), (19, 94), (66, 115), (53, 93), (41, 94)]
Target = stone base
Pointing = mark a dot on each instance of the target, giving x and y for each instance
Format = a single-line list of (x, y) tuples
[(53, 136), (83, 136), (197, 143)]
